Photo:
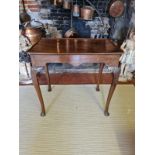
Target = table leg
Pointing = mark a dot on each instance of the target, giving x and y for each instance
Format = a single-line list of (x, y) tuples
[(48, 77), (111, 91), (99, 76), (26, 70), (37, 88)]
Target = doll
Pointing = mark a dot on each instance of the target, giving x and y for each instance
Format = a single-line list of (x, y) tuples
[(127, 59), (24, 58)]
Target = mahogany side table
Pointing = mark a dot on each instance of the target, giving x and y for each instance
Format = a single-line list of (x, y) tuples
[(74, 51)]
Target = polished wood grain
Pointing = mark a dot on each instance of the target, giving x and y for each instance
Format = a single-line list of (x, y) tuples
[(75, 46), (37, 87), (111, 91), (75, 52), (109, 59)]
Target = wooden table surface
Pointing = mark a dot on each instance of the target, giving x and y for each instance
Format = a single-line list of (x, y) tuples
[(75, 46)]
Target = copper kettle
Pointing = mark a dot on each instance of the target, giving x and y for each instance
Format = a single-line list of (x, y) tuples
[(34, 33)]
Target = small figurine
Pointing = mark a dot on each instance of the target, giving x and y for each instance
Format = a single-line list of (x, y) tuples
[(128, 58), (24, 59)]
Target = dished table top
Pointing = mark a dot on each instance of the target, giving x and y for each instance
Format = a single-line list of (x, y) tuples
[(75, 46)]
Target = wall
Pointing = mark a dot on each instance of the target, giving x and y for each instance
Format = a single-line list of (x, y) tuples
[(46, 12), (31, 5)]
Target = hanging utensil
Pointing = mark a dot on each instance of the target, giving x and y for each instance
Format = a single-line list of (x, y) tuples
[(116, 8), (76, 10), (24, 17), (57, 2), (67, 4), (54, 2), (87, 12), (71, 33)]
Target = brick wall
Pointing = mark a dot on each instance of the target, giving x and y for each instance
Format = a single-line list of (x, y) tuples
[(31, 5), (46, 12)]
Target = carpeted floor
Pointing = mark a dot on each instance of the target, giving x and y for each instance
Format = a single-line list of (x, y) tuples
[(75, 123)]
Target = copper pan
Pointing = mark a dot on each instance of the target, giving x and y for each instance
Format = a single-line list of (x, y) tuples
[(116, 8)]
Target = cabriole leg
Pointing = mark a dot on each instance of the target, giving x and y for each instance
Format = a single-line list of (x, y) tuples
[(111, 91), (37, 88)]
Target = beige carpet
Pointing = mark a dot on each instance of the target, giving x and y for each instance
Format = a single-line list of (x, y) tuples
[(75, 123)]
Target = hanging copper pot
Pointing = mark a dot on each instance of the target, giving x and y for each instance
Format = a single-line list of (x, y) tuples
[(67, 4), (54, 2), (57, 2), (76, 10), (87, 12), (60, 1), (116, 8)]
